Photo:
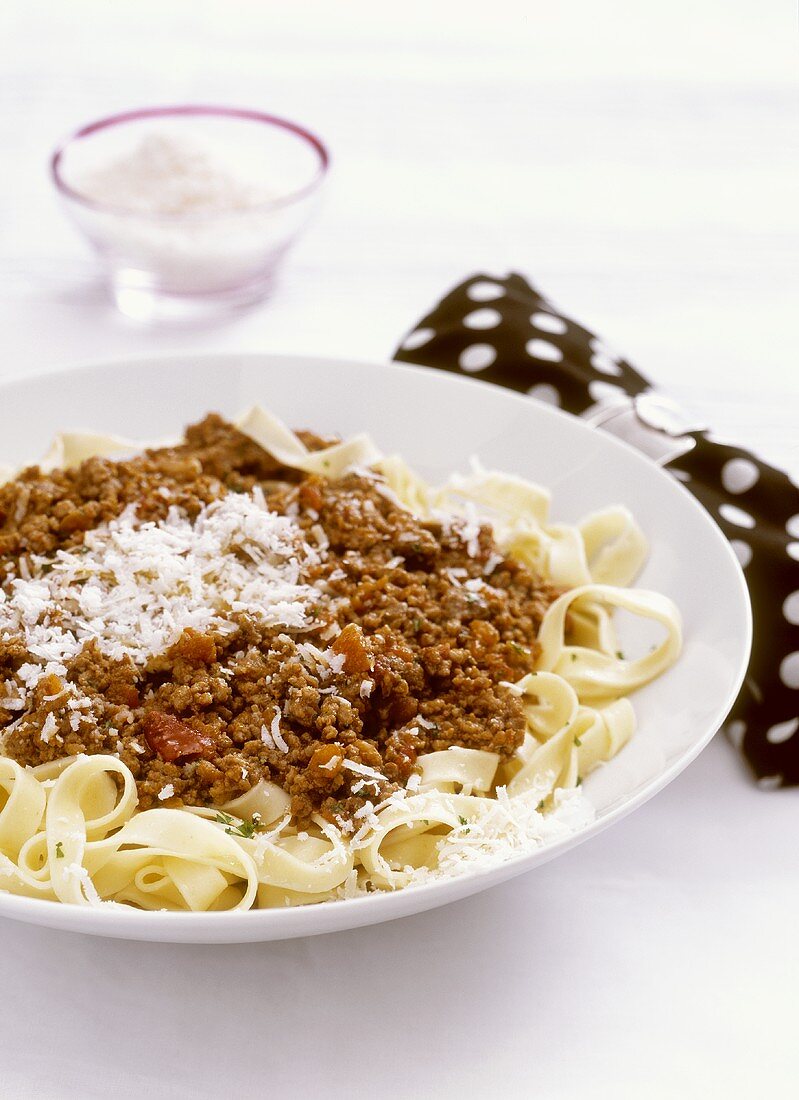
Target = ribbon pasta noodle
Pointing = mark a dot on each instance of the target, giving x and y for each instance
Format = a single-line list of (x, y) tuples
[(70, 830)]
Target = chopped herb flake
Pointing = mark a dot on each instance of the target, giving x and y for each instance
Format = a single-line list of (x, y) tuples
[(59, 850), (244, 829)]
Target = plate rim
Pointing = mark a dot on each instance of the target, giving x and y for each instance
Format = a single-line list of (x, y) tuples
[(262, 925)]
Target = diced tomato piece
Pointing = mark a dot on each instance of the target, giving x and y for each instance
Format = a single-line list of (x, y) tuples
[(126, 694), (195, 647), (350, 643), (172, 739), (311, 495)]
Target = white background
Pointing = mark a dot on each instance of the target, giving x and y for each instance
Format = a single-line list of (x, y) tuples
[(639, 161)]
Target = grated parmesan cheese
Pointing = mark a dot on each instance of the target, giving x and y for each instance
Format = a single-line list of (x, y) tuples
[(49, 727), (277, 736), (318, 532), (336, 661), (81, 873), (505, 828), (136, 586), (470, 532), (362, 769), (494, 560)]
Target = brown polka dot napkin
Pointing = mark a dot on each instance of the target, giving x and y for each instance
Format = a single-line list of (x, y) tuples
[(504, 331)]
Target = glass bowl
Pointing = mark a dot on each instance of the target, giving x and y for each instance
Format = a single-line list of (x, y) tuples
[(187, 262)]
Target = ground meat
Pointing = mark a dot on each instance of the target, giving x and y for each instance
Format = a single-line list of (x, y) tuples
[(419, 626), (40, 512)]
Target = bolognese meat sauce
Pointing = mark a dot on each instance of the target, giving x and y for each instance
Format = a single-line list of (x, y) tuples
[(417, 626)]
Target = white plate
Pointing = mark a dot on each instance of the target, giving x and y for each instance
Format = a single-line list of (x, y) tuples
[(437, 422)]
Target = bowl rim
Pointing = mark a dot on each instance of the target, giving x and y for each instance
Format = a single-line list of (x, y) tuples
[(188, 110), (261, 925)]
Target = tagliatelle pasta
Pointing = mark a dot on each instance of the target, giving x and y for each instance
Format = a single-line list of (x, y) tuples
[(72, 829)]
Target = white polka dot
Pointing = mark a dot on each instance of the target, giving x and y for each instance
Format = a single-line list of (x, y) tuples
[(602, 362), (736, 515), (606, 391), (793, 550), (769, 782), (782, 731), (485, 292), (542, 391), (790, 608), (742, 551), (736, 731), (418, 338), (789, 670), (739, 474), (547, 322), (477, 357), (681, 475), (542, 349), (792, 527), (482, 318)]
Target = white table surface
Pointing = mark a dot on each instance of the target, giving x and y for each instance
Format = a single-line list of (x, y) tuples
[(639, 161)]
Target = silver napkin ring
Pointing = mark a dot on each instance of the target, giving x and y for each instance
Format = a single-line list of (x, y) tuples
[(655, 425)]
